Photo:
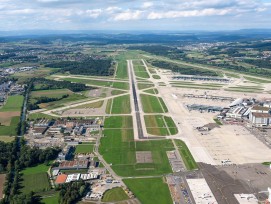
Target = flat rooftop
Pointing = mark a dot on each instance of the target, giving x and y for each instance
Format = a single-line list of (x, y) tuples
[(201, 191)]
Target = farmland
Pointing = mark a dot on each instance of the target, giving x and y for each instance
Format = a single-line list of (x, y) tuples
[(150, 190), (14, 103)]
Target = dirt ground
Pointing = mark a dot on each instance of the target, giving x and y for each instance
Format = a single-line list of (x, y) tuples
[(2, 182)]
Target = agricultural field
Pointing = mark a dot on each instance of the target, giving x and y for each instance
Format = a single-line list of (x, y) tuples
[(115, 194), (150, 190), (153, 104), (84, 149), (186, 155), (13, 104), (10, 130)]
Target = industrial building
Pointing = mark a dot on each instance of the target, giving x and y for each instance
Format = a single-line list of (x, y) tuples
[(260, 116)]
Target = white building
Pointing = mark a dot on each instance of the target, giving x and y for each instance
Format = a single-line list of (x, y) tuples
[(236, 112), (260, 116)]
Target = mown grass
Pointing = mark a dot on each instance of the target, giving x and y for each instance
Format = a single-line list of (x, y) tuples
[(84, 148), (52, 199), (155, 125), (118, 122), (144, 86), (257, 80), (186, 155), (118, 148), (151, 104), (115, 194), (121, 105), (150, 190), (36, 116), (152, 91), (35, 182), (155, 76)]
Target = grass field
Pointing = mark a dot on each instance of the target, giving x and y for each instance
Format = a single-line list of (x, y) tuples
[(10, 130), (118, 85), (97, 104), (152, 104), (84, 148), (108, 106), (155, 76), (35, 116), (151, 91), (36, 169), (118, 148), (52, 93), (52, 199), (155, 125), (115, 194), (35, 179), (122, 71), (14, 103), (35, 182), (150, 190), (121, 105), (118, 122), (117, 92), (60, 103), (171, 125), (5, 117), (186, 155), (144, 86), (6, 138), (257, 80)]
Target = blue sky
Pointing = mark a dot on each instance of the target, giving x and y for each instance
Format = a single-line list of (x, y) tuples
[(134, 14)]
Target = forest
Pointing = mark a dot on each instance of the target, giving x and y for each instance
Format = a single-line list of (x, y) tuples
[(46, 84), (89, 66)]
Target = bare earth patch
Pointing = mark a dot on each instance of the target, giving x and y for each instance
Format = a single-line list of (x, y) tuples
[(144, 157), (5, 117)]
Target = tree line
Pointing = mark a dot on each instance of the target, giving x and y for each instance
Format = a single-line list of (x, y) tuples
[(89, 66), (46, 84), (16, 156)]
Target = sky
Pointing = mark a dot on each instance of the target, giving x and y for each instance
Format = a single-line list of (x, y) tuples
[(134, 14)]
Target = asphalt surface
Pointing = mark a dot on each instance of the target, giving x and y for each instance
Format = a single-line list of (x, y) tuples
[(137, 112)]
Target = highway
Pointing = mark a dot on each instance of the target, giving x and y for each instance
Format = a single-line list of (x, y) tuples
[(137, 112)]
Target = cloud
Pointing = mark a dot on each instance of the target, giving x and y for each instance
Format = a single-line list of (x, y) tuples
[(117, 13), (95, 13), (128, 15)]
